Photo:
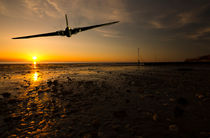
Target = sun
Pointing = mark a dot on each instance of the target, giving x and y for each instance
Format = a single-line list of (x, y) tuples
[(34, 57)]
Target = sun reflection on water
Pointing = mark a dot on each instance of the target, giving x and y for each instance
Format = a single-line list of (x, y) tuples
[(34, 65), (35, 76), (38, 108)]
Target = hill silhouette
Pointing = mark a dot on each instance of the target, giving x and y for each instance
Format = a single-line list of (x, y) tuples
[(205, 58)]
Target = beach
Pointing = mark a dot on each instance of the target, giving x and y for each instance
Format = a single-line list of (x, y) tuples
[(105, 100)]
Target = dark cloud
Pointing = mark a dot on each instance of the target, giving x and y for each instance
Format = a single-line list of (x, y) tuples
[(183, 18)]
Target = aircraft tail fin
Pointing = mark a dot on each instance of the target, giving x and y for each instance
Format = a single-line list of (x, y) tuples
[(67, 24)]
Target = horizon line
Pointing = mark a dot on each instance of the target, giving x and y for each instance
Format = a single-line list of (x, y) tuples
[(16, 62)]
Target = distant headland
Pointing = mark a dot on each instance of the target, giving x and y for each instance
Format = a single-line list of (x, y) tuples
[(205, 58)]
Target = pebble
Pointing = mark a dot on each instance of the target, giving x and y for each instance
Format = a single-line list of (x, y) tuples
[(199, 96), (87, 136), (95, 123), (69, 79), (182, 101), (173, 127), (178, 112), (115, 127), (171, 99), (120, 114), (55, 82), (6, 95), (49, 83), (13, 101), (154, 117)]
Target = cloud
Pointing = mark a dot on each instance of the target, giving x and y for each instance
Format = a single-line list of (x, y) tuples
[(43, 8), (174, 19), (109, 33), (99, 10), (56, 7), (3, 9), (203, 34), (178, 19), (80, 10)]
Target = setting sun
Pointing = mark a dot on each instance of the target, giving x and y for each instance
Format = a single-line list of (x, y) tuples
[(34, 57)]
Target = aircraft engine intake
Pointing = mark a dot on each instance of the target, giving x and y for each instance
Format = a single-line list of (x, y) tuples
[(68, 32)]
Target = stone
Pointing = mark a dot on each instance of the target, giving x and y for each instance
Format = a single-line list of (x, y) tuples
[(6, 95), (173, 127)]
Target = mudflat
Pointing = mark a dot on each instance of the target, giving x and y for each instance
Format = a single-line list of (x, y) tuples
[(105, 100)]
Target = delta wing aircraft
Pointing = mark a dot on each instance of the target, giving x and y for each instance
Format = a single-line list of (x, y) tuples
[(68, 32)]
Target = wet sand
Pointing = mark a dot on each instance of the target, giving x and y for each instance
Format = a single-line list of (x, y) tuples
[(62, 100)]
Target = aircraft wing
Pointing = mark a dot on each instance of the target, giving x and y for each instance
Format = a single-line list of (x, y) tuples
[(80, 29), (42, 35)]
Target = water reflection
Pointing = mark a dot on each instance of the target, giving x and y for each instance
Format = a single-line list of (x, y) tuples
[(35, 76), (34, 64), (39, 107)]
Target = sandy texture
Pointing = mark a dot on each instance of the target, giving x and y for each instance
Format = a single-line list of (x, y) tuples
[(105, 101)]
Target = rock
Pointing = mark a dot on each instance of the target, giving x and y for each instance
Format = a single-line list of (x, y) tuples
[(87, 136), (199, 96), (13, 101), (120, 114), (127, 126), (127, 101), (154, 117), (54, 88), (100, 134), (69, 79), (173, 127), (178, 112), (17, 118), (40, 92), (116, 127), (132, 83), (6, 95), (139, 109), (55, 82), (182, 101), (36, 88), (171, 99), (7, 119), (49, 83)]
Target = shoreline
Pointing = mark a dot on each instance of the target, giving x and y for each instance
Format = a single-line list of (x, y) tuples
[(111, 101)]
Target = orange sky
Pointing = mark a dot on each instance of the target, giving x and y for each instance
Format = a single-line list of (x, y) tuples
[(148, 26)]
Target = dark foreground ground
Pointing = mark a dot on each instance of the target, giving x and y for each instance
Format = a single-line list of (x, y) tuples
[(105, 101)]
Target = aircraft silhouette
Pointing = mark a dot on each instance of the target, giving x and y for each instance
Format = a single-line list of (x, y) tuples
[(67, 32)]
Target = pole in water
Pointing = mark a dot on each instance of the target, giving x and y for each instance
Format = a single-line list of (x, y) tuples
[(138, 57)]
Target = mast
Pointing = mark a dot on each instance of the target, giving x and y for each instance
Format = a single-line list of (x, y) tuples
[(138, 57)]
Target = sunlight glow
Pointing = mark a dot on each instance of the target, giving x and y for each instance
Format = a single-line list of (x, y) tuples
[(34, 57), (35, 76), (34, 65)]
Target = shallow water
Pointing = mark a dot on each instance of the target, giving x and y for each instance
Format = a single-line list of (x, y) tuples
[(42, 96), (34, 108)]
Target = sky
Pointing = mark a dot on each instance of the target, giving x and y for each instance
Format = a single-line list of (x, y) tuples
[(163, 30)]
